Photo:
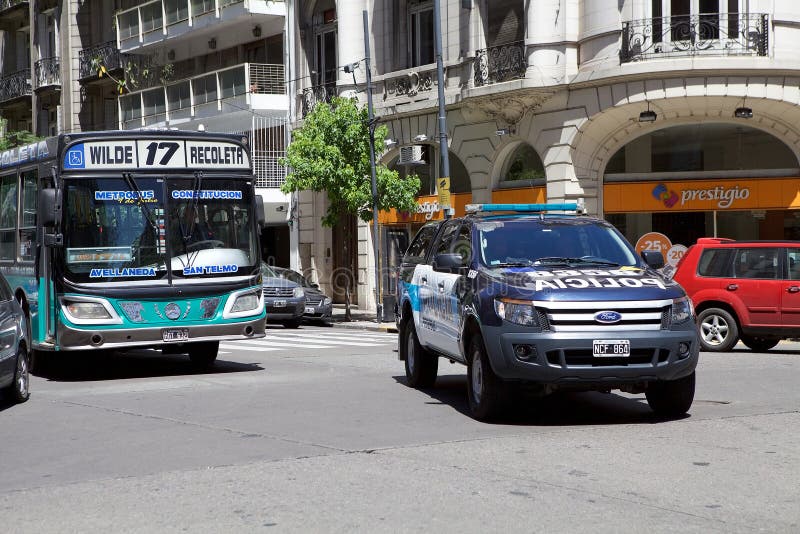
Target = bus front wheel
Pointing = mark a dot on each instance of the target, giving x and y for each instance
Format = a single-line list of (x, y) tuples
[(203, 354)]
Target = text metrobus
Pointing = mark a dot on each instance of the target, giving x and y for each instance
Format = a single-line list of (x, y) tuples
[(133, 239)]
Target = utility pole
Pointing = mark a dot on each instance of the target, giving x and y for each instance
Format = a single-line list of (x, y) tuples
[(443, 182), (368, 62)]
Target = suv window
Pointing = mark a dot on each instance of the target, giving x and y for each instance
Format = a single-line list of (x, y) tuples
[(419, 247), (794, 263), (716, 262), (448, 236), (756, 263)]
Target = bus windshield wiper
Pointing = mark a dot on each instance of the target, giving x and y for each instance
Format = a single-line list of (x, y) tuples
[(133, 186)]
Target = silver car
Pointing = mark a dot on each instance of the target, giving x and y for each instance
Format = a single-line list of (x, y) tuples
[(14, 342), (284, 300)]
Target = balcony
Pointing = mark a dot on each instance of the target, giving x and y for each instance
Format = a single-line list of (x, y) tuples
[(47, 73), (159, 20), (712, 34), (91, 59), (15, 85), (12, 13), (311, 96), (229, 94), (500, 63)]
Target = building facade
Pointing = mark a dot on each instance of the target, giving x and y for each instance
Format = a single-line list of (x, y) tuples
[(217, 65), (673, 119)]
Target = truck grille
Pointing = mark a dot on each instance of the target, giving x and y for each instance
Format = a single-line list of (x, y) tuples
[(576, 357), (580, 316)]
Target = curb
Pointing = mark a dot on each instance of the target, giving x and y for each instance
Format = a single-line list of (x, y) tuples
[(364, 325)]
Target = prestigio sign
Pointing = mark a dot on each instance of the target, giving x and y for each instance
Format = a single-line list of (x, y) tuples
[(156, 154)]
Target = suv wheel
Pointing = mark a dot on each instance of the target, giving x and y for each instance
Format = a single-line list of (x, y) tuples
[(671, 398), (485, 390), (759, 344), (421, 365), (718, 330)]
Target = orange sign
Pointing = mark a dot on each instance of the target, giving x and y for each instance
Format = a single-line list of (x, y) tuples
[(702, 195), (428, 209), (654, 241), (523, 195)]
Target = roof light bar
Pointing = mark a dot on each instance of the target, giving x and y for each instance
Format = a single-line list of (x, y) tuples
[(523, 208)]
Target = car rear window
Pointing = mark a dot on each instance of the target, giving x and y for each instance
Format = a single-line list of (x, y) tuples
[(716, 262)]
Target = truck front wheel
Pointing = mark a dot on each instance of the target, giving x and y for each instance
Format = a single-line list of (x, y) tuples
[(671, 398), (486, 391)]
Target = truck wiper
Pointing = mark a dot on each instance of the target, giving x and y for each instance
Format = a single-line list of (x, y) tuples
[(586, 260)]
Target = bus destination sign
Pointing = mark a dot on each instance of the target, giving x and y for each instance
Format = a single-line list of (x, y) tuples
[(156, 154)]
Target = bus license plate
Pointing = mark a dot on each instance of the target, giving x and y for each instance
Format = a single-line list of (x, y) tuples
[(175, 334), (611, 348)]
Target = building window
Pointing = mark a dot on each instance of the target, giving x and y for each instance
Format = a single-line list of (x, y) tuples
[(692, 20), (231, 82), (205, 89), (506, 22), (178, 96), (325, 54), (420, 24), (130, 108), (524, 165), (151, 17), (154, 105), (128, 25), (176, 10), (202, 6)]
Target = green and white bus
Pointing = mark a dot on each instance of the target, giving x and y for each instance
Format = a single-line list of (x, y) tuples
[(117, 240)]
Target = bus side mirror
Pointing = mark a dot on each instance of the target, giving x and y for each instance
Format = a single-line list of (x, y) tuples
[(261, 218), (49, 207)]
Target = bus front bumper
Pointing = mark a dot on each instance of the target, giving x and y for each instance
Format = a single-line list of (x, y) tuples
[(71, 338)]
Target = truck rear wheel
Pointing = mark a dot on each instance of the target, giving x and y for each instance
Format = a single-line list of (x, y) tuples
[(421, 365), (671, 398), (203, 354), (486, 391)]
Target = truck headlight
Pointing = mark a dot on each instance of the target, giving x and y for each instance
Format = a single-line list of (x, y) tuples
[(682, 310), (246, 302), (516, 311), (298, 292)]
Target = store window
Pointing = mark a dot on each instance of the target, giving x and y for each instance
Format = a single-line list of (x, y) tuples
[(420, 24)]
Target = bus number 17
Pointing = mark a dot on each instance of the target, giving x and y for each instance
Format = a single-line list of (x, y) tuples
[(153, 147)]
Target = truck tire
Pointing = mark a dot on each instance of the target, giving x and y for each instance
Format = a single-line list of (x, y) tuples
[(718, 330), (203, 354), (671, 398), (486, 391), (422, 366)]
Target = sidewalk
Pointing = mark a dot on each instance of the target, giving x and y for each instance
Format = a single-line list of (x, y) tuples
[(360, 319)]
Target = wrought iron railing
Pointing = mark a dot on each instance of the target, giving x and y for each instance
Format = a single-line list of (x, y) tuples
[(48, 72), (267, 79), (688, 35), (500, 63), (15, 85), (106, 55), (8, 4), (311, 96)]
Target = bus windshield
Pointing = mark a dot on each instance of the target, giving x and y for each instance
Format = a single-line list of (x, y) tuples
[(122, 229)]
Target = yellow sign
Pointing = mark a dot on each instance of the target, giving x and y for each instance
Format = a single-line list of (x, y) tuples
[(702, 195), (443, 188)]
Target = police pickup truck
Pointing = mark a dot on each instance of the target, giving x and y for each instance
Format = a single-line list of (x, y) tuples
[(537, 294)]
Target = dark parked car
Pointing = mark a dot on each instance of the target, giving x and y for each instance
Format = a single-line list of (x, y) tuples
[(284, 300), (14, 357), (319, 306), (743, 290)]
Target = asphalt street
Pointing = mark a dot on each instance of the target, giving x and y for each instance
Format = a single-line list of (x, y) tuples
[(314, 430)]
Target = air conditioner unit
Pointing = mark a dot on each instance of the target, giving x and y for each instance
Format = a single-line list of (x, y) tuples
[(411, 155)]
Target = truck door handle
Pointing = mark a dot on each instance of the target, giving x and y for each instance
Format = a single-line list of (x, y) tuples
[(441, 286), (424, 279), (793, 289), (732, 287)]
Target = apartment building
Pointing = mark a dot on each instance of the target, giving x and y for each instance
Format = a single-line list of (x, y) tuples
[(673, 119), (217, 65)]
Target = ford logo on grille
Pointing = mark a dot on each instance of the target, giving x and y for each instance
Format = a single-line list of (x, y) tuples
[(607, 317), (172, 311)]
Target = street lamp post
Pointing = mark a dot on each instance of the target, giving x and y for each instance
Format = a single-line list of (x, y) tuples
[(443, 183), (372, 121)]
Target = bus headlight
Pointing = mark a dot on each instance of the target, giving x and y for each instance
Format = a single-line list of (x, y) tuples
[(298, 292), (89, 310), (516, 311), (246, 302)]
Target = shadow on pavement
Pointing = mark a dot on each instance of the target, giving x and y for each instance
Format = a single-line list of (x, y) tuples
[(557, 409), (111, 365)]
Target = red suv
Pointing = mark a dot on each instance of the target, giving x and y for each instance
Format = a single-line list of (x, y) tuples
[(748, 290)]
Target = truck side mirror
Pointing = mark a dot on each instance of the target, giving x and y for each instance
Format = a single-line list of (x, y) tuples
[(49, 211), (448, 263), (653, 258), (261, 217)]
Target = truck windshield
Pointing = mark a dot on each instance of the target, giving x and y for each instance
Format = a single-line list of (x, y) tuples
[(553, 243), (118, 229)]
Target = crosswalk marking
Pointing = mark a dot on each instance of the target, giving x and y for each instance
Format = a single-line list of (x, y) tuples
[(276, 340), (346, 337)]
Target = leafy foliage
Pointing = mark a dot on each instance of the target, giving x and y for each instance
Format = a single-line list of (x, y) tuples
[(330, 153), (15, 139)]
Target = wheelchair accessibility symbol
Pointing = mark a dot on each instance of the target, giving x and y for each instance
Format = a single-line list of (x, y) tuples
[(76, 158)]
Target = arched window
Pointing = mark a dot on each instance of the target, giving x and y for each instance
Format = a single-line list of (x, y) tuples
[(431, 169), (524, 164)]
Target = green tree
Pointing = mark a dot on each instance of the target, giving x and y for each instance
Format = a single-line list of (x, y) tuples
[(330, 153), (15, 139)]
